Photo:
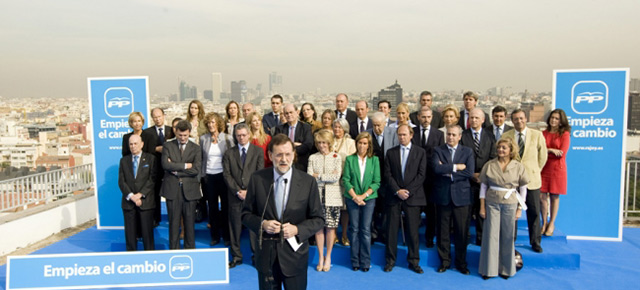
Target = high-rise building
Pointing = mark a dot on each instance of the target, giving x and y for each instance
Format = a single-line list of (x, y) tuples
[(633, 116), (216, 87), (275, 83), (239, 91), (207, 95), (533, 111), (187, 92), (393, 94)]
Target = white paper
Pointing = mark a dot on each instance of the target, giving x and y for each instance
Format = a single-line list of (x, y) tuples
[(294, 243)]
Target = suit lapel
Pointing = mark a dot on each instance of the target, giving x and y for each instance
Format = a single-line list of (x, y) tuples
[(294, 187)]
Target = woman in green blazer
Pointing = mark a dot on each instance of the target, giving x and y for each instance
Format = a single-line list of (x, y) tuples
[(361, 180)]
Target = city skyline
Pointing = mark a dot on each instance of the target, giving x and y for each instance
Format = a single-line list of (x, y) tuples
[(52, 47)]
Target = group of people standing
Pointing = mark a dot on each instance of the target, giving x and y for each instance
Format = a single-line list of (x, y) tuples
[(372, 175)]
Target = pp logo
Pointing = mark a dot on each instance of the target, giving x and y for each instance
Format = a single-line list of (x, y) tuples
[(589, 97), (118, 102), (181, 267)]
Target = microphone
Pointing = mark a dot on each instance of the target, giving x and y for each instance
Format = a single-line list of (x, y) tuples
[(262, 216), (282, 211)]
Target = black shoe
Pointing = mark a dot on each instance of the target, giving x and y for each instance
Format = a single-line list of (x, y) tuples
[(355, 268), (485, 277), (442, 269), (430, 244), (478, 242), (227, 243), (504, 276), (416, 268), (464, 271), (155, 224), (536, 248), (214, 242), (232, 264), (365, 270), (388, 268)]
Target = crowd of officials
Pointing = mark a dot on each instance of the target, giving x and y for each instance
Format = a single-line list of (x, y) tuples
[(374, 177)]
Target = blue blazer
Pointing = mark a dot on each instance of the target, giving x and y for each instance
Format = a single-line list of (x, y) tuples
[(351, 176), (457, 190)]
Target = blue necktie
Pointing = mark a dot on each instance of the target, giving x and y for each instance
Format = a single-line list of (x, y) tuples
[(160, 137), (279, 195), (135, 166), (243, 155), (405, 153)]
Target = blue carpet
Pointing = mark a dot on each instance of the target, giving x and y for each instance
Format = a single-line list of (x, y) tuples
[(599, 265)]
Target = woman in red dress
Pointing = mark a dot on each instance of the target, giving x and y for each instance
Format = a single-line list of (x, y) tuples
[(554, 173)]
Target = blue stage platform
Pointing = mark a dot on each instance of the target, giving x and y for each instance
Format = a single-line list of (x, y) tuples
[(565, 264)]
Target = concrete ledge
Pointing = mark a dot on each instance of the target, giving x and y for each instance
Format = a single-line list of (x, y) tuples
[(26, 227)]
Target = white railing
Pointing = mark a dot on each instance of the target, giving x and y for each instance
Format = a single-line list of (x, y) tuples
[(44, 187), (631, 189)]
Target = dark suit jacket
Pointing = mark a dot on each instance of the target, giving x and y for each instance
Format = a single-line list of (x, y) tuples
[(353, 127), (142, 183), (269, 122), (189, 177), (149, 145), (351, 117), (436, 121), (304, 136), (168, 134), (436, 138), (303, 210), (445, 190), (492, 130), (487, 147), (414, 175), (463, 124), (236, 175)]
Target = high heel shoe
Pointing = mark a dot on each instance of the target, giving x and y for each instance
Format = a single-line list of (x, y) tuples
[(345, 241), (549, 231), (327, 266), (320, 267), (543, 229)]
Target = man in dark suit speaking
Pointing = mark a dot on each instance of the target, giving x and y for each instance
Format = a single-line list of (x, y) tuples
[(283, 208), (453, 166), (181, 161), (135, 179)]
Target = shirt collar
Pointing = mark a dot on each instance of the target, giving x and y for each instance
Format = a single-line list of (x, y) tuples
[(408, 146), (474, 131), (286, 175), (524, 132), (454, 148), (246, 147), (428, 127)]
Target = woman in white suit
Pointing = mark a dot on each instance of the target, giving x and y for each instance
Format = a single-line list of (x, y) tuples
[(326, 167)]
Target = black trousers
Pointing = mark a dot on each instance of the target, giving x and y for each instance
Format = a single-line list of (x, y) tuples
[(235, 230), (157, 212), (271, 279), (181, 208), (430, 221), (215, 189), (411, 226), (475, 211), (460, 217), (533, 217), (138, 220)]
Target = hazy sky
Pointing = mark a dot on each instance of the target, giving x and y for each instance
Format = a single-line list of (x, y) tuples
[(49, 48)]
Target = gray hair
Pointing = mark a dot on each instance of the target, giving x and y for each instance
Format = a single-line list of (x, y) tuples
[(378, 116), (343, 123)]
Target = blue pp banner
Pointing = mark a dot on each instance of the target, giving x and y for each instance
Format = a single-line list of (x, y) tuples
[(111, 101), (596, 104), (121, 269)]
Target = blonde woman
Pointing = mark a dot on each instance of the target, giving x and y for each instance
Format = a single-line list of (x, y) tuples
[(327, 118), (258, 136), (450, 117), (136, 122), (326, 167), (402, 114)]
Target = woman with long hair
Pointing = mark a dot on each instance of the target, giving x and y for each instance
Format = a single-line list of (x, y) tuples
[(326, 167), (232, 116), (402, 114), (554, 172), (309, 116), (258, 136), (195, 116), (450, 116), (361, 179)]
